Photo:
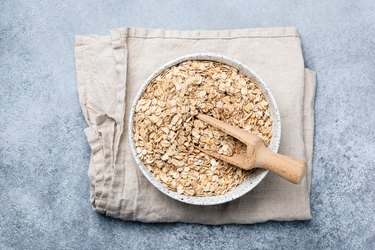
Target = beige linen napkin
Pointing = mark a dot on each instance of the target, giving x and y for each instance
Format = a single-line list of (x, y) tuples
[(110, 69)]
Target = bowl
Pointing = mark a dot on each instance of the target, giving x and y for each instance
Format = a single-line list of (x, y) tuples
[(254, 178)]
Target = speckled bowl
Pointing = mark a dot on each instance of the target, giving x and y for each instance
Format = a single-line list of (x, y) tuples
[(250, 182)]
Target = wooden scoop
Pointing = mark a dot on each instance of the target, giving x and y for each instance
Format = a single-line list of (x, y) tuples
[(257, 155)]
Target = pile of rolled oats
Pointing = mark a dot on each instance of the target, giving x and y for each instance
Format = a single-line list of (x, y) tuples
[(166, 130)]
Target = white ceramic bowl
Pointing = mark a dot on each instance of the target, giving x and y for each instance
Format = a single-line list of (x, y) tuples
[(250, 182)]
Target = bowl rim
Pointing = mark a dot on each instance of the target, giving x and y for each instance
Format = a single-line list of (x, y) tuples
[(256, 177)]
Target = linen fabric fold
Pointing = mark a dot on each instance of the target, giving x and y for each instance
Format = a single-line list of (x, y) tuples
[(110, 70)]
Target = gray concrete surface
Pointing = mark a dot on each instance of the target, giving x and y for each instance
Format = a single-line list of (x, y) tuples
[(44, 154)]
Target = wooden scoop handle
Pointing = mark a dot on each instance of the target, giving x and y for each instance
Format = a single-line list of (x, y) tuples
[(290, 169)]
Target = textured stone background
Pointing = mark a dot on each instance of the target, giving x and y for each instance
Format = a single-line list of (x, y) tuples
[(44, 154)]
